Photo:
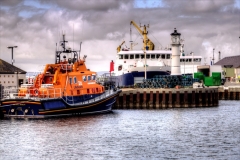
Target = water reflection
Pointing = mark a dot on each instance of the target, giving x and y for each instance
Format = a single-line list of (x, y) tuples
[(189, 133)]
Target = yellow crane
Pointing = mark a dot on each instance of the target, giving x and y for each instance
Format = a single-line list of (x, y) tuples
[(119, 47), (146, 40)]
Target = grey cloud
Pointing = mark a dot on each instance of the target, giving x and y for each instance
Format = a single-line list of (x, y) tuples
[(103, 25)]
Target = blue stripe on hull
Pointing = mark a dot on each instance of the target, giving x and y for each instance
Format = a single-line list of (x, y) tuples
[(55, 107)]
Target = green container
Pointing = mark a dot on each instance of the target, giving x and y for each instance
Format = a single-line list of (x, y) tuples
[(216, 78), (199, 75), (208, 81)]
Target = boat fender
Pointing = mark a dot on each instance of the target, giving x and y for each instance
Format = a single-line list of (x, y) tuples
[(26, 111), (32, 112), (36, 92)]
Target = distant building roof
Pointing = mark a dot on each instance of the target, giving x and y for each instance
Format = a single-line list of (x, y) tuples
[(229, 62), (7, 68)]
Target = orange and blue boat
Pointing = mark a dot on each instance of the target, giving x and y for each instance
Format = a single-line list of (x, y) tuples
[(65, 87)]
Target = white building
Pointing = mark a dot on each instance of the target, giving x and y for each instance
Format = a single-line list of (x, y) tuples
[(10, 75)]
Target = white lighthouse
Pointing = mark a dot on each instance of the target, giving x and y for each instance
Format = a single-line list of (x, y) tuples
[(175, 68)]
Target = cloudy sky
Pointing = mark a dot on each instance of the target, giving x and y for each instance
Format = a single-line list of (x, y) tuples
[(35, 26)]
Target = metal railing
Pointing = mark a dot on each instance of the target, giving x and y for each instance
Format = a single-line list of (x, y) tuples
[(51, 93)]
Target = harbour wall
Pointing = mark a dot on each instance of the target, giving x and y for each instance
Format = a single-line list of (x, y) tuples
[(131, 98)]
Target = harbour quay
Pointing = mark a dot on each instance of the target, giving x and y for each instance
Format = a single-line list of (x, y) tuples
[(229, 93), (131, 98)]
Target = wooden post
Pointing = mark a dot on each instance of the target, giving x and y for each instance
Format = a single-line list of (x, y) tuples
[(138, 100), (210, 98), (186, 99), (200, 99), (170, 104), (151, 100), (131, 101), (144, 104), (157, 100), (124, 101), (163, 99), (206, 98), (178, 99), (193, 99)]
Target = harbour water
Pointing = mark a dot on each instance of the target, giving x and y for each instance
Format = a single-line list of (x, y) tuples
[(183, 133)]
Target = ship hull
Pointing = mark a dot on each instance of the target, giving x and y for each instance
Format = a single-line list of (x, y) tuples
[(129, 79), (23, 108)]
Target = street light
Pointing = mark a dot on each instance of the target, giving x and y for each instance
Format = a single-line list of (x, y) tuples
[(11, 47), (17, 78), (213, 56), (192, 64)]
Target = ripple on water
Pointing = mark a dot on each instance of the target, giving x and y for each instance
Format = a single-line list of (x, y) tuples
[(185, 133)]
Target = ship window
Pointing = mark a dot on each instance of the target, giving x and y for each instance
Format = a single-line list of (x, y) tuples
[(89, 78), (181, 60), (152, 56), (70, 80), (131, 56), (126, 56), (186, 60), (158, 55), (137, 56), (168, 56), (75, 80), (163, 56), (148, 56), (84, 78), (120, 68), (197, 60), (120, 56), (87, 90), (142, 56), (78, 92), (97, 90), (93, 77)]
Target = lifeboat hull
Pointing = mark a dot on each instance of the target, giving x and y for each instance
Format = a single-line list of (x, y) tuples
[(28, 108)]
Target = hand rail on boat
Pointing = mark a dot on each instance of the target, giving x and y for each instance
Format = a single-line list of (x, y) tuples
[(15, 93), (107, 93)]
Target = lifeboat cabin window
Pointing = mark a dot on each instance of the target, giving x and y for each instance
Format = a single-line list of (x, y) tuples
[(131, 56), (75, 80), (120, 56), (168, 56), (84, 78), (89, 78), (142, 56), (93, 77), (158, 55), (70, 80), (126, 56), (152, 56), (163, 56), (137, 56), (190, 60), (148, 56)]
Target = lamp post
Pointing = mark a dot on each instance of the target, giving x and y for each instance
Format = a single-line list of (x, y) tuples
[(213, 56), (17, 82), (192, 64), (11, 47)]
